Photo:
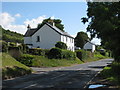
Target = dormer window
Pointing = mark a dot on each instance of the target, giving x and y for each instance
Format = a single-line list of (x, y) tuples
[(38, 38)]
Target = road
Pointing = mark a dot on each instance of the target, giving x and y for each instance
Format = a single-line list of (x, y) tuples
[(77, 76)]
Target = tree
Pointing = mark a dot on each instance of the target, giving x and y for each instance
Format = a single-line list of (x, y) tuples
[(81, 39), (56, 21), (105, 23)]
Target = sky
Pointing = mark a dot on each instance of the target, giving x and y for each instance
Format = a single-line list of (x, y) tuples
[(17, 15)]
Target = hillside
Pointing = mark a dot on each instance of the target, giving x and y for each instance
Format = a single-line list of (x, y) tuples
[(10, 36)]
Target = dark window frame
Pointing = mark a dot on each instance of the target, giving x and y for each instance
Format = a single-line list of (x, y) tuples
[(38, 38)]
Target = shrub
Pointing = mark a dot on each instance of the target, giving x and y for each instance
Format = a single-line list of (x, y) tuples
[(37, 51), (58, 53), (12, 44), (82, 54), (26, 59), (3, 46), (24, 48), (55, 53), (46, 52), (61, 45), (66, 54)]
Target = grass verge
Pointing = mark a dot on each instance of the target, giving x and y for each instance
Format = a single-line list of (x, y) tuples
[(41, 61), (112, 73), (96, 56), (12, 68)]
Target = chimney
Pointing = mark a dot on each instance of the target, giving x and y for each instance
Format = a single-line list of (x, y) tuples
[(28, 27), (51, 22)]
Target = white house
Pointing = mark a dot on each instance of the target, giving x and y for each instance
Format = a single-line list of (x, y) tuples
[(89, 46), (46, 37)]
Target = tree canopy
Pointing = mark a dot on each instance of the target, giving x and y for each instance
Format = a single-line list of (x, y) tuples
[(105, 23), (81, 39), (57, 23)]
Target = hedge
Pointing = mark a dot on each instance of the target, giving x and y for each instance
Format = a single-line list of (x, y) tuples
[(82, 54), (26, 59), (68, 55), (38, 51), (57, 53), (3, 46)]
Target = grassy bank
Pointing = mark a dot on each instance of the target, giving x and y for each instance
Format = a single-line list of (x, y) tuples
[(112, 73), (41, 61), (96, 56), (12, 68)]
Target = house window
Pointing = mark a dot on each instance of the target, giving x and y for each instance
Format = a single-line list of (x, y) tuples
[(38, 38), (72, 40), (66, 39)]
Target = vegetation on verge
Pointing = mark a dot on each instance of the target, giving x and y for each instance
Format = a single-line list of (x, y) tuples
[(41, 61), (88, 56), (12, 68), (112, 73)]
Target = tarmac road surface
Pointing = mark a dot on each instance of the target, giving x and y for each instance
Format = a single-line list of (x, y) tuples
[(77, 76)]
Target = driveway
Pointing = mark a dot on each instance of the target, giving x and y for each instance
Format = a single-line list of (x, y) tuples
[(77, 76)]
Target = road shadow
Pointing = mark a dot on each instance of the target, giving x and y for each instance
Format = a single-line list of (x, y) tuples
[(96, 66), (52, 80)]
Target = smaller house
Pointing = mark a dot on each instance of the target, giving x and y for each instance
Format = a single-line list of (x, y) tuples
[(89, 46)]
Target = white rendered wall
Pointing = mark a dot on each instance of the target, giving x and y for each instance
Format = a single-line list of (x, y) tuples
[(89, 46), (69, 42), (27, 40), (48, 38)]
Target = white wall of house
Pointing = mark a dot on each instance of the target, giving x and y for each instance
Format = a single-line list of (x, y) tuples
[(27, 40), (89, 46), (48, 38), (68, 41)]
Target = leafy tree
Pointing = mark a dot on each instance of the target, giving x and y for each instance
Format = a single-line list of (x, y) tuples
[(56, 21), (105, 23), (61, 45), (81, 39)]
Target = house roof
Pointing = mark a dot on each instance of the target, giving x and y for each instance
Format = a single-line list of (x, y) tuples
[(90, 43), (32, 31)]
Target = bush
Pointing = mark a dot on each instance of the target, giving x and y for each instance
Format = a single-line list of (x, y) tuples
[(82, 54), (26, 59), (38, 51), (66, 54), (58, 53), (61, 45), (3, 46), (24, 48), (55, 53), (46, 52), (12, 44)]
